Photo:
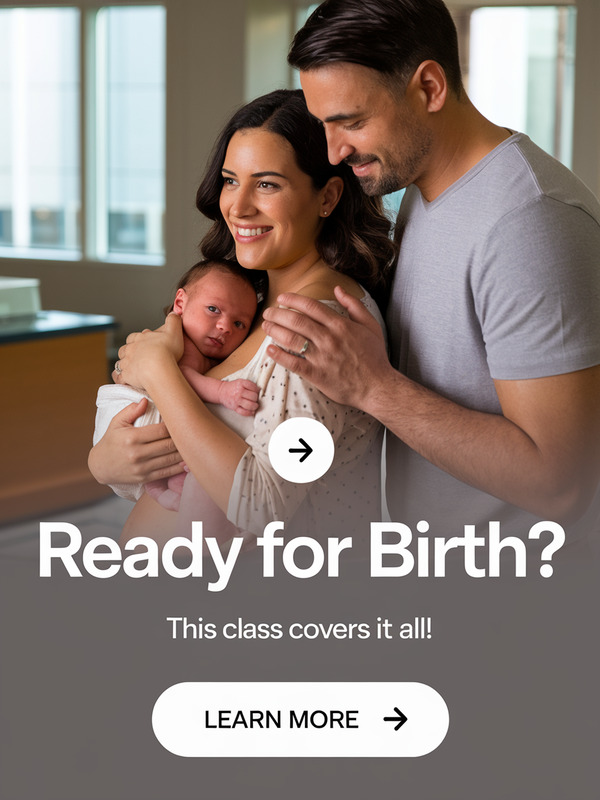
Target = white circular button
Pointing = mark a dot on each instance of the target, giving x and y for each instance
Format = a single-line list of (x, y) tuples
[(301, 449)]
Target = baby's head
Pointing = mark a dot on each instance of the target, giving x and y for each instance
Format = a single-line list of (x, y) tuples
[(217, 302)]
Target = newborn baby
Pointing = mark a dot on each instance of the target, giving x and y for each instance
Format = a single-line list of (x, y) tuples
[(217, 302)]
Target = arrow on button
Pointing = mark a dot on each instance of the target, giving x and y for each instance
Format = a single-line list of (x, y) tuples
[(400, 719), (306, 449)]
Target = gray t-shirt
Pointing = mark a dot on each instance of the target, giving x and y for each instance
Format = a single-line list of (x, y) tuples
[(498, 278)]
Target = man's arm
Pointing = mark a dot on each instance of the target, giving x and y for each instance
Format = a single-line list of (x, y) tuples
[(541, 454)]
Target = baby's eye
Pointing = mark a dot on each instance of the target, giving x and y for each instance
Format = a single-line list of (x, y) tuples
[(240, 325), (213, 309)]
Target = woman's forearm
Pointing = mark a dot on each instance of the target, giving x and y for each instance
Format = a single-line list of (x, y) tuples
[(211, 450)]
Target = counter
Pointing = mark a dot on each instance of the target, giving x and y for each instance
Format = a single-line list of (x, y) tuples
[(51, 365)]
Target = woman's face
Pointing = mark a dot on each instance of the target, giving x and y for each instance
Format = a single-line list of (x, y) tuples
[(270, 206)]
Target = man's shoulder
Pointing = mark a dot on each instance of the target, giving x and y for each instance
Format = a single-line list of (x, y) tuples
[(526, 172), (513, 176)]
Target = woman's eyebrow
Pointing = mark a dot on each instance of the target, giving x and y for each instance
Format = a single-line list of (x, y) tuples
[(257, 174), (267, 173)]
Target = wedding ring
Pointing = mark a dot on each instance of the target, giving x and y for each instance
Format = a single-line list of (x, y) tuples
[(118, 367), (304, 348)]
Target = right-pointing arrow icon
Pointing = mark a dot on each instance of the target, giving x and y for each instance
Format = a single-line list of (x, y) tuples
[(306, 449), (400, 718)]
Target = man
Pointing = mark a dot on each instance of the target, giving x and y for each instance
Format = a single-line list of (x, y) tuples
[(492, 397)]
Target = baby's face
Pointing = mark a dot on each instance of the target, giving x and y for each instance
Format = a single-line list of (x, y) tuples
[(217, 311)]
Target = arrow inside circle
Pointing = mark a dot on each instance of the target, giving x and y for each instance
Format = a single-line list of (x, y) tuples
[(306, 449), (400, 719)]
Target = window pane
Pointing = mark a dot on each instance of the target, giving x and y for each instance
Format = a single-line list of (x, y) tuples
[(131, 65), (39, 139), (521, 72)]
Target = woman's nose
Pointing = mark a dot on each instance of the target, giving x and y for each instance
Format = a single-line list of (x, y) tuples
[(242, 204)]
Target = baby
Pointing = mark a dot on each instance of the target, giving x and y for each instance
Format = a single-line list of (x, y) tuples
[(217, 302)]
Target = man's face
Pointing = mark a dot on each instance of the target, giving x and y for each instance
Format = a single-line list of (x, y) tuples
[(383, 137)]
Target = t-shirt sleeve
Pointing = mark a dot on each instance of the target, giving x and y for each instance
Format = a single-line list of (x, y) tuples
[(259, 495), (537, 293)]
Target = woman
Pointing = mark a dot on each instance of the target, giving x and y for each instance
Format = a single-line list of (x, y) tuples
[(280, 208)]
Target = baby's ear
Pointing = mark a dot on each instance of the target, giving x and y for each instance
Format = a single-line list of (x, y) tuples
[(179, 302)]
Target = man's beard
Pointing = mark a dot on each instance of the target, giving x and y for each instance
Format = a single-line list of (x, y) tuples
[(395, 174), (386, 183)]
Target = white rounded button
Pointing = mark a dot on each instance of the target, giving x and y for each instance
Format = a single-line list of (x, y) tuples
[(300, 719), (301, 450)]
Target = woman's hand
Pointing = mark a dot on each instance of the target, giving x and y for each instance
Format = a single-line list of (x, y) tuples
[(130, 455), (141, 358)]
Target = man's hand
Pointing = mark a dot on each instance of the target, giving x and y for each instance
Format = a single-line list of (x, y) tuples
[(344, 358), (130, 455)]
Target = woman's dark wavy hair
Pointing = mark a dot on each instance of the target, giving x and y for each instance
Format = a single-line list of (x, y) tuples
[(354, 240), (390, 36)]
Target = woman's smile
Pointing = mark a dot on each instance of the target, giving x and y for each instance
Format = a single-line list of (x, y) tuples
[(245, 234)]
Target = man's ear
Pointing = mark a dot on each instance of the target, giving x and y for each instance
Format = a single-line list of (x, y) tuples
[(430, 79), (330, 195), (180, 301)]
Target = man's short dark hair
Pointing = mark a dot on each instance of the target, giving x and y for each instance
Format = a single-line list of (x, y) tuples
[(390, 36)]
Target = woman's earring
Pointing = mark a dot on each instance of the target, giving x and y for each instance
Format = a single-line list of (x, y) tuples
[(325, 213)]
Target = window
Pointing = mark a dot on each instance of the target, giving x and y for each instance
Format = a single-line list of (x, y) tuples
[(39, 144), (82, 161), (522, 72)]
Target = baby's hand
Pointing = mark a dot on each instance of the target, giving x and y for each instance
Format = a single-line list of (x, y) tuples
[(239, 395)]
